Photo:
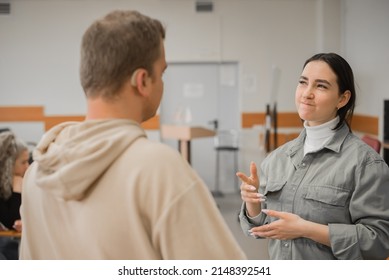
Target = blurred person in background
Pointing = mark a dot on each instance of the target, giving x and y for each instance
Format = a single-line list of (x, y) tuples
[(14, 161)]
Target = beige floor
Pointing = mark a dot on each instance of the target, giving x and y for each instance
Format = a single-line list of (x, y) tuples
[(229, 205)]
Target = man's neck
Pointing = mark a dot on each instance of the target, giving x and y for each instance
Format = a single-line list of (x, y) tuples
[(98, 108)]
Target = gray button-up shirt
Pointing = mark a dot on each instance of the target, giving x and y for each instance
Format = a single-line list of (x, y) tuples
[(345, 185)]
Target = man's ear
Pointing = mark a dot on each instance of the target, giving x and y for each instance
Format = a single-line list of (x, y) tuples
[(140, 79)]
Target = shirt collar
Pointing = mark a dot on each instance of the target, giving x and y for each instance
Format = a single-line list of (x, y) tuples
[(334, 144)]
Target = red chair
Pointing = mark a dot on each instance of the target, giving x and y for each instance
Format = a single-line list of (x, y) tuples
[(372, 142)]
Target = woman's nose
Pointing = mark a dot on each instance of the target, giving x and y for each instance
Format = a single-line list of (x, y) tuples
[(307, 93)]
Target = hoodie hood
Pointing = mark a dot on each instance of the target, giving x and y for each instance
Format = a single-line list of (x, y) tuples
[(73, 155)]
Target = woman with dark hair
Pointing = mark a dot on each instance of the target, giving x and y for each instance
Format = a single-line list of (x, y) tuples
[(323, 195), (14, 156)]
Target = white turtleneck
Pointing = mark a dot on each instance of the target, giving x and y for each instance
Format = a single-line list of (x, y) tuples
[(318, 136)]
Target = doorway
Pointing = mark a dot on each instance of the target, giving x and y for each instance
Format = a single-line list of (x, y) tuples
[(198, 94)]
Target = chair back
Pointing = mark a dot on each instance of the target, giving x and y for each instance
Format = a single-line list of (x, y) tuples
[(372, 142), (226, 140)]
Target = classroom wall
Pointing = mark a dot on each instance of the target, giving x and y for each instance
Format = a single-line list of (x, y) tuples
[(39, 45), (39, 49), (365, 39)]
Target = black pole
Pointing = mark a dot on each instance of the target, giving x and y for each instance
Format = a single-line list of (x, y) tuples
[(267, 128), (275, 135)]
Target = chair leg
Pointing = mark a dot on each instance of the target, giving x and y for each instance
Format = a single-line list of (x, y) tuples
[(236, 170), (217, 192)]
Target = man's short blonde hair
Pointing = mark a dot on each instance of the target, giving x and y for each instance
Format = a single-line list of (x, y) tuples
[(114, 47)]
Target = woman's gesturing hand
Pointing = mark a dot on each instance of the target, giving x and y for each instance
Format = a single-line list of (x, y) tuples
[(249, 190)]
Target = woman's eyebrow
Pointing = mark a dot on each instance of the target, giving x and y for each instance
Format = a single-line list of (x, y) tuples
[(323, 81), (317, 80)]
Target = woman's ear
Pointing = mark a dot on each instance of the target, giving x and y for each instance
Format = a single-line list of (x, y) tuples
[(344, 98)]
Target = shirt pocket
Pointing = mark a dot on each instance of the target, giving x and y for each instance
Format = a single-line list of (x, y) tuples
[(273, 193), (326, 204), (273, 187), (328, 195)]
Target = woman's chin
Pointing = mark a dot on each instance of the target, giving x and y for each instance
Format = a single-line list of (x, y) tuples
[(304, 116)]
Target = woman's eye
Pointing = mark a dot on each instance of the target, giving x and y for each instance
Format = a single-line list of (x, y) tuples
[(322, 86)]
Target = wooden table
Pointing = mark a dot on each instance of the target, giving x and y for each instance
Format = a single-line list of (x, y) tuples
[(10, 233), (184, 134)]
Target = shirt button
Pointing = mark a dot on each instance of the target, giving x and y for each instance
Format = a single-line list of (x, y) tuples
[(303, 164), (286, 244)]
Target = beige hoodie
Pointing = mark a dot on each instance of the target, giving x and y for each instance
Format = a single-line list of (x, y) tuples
[(101, 190)]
